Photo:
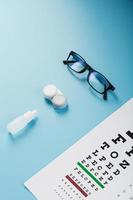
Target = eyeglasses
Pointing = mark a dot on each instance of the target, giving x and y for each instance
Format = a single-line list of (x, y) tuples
[(95, 79)]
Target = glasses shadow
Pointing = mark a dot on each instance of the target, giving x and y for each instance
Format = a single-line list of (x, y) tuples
[(95, 94), (111, 94), (114, 95)]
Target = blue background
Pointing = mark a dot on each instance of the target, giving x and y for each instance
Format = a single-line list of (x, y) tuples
[(35, 36)]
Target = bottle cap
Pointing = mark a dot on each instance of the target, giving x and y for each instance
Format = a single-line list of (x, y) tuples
[(49, 91), (60, 101)]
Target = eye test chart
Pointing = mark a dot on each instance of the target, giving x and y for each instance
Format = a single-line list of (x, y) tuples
[(98, 166)]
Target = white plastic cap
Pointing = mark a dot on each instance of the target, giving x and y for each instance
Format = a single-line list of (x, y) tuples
[(52, 93), (60, 101), (49, 91), (30, 115)]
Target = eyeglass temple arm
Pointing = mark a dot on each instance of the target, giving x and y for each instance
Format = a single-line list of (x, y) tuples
[(68, 61), (111, 87), (105, 93)]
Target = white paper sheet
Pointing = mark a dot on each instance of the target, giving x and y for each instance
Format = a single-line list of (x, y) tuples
[(98, 166)]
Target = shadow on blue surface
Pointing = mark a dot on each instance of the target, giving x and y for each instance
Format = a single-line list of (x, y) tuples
[(111, 93), (58, 110)]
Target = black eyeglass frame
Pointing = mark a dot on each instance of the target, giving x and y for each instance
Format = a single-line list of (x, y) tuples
[(91, 70)]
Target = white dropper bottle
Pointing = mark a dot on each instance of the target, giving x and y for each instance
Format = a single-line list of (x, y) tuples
[(21, 122)]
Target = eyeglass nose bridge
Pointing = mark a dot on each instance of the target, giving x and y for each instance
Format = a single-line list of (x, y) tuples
[(89, 68)]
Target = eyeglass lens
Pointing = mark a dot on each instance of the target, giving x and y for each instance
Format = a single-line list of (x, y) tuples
[(75, 63), (98, 81)]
